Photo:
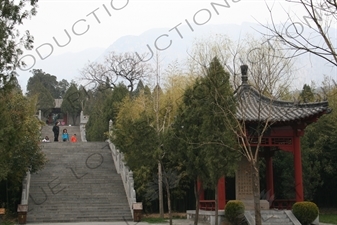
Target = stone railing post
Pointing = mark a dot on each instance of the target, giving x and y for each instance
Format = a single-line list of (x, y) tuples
[(83, 121), (110, 126), (25, 189), (131, 188)]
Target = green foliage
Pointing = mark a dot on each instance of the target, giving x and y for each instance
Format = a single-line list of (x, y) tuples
[(45, 101), (307, 94), (203, 127), (138, 140), (13, 14), (7, 223), (319, 157), (141, 133), (102, 107), (131, 140), (55, 88), (305, 212), (285, 173), (19, 143), (71, 103), (234, 211)]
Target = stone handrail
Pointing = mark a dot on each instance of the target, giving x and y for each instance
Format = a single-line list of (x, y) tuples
[(124, 171), (25, 193), (126, 174), (23, 206)]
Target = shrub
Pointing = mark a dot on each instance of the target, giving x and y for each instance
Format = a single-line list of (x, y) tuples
[(305, 212), (234, 211)]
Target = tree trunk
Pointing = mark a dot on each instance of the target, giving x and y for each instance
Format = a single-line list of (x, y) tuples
[(256, 192), (74, 119), (216, 204), (197, 195), (160, 190), (168, 199)]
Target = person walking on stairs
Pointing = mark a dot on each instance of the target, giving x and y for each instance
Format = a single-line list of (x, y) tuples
[(56, 131)]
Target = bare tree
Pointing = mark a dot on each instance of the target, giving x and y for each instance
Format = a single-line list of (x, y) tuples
[(115, 68), (319, 40), (270, 67)]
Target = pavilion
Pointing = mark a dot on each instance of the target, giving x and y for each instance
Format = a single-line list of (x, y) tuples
[(286, 124)]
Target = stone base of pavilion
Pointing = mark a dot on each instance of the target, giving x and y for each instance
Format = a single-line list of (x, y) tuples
[(206, 216), (249, 204)]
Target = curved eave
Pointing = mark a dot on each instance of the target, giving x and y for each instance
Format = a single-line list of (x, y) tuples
[(254, 107)]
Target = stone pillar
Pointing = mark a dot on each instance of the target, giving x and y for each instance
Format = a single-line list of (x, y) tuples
[(244, 186), (243, 181)]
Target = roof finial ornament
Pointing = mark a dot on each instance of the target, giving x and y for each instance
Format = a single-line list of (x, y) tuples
[(244, 77)]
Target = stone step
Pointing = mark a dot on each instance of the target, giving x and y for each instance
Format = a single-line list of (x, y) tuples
[(47, 131), (76, 145), (78, 183)]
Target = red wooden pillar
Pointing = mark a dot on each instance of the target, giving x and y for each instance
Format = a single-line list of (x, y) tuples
[(270, 178), (221, 193), (298, 168), (200, 190)]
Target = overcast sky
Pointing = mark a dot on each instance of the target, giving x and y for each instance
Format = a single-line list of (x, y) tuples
[(100, 23), (92, 23)]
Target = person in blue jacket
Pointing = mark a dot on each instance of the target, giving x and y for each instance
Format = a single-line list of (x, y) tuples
[(65, 135)]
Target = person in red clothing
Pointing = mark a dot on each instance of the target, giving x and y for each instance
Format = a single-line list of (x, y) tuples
[(73, 138)]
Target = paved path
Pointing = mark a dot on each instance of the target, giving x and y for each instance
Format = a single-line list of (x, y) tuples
[(175, 222)]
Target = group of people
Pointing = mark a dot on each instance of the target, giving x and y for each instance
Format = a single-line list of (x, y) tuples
[(65, 135)]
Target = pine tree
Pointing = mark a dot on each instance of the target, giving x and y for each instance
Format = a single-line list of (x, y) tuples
[(207, 141)]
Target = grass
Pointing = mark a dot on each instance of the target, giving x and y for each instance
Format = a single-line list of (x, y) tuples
[(328, 215), (154, 220), (328, 218)]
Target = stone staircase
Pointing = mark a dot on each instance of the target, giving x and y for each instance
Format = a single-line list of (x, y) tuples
[(273, 217), (78, 183)]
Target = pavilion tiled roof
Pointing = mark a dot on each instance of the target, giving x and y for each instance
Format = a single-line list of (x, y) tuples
[(253, 106)]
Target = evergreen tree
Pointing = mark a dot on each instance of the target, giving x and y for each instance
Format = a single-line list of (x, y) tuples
[(46, 80), (307, 95), (19, 145), (206, 141), (71, 103), (105, 107)]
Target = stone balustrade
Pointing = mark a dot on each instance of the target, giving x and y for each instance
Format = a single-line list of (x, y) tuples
[(126, 174), (124, 171)]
